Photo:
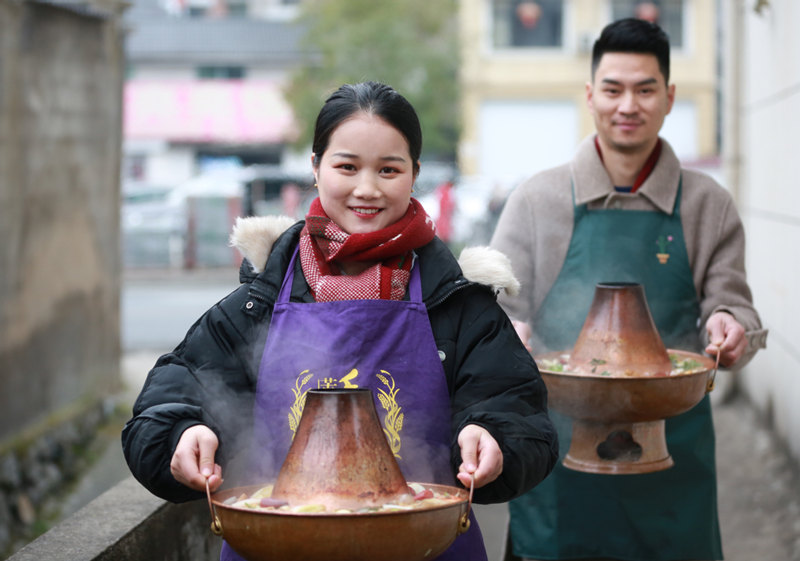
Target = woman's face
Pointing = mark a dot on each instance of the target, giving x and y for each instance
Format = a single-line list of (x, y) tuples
[(365, 175)]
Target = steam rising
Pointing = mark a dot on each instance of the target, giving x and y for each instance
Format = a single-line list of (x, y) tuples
[(254, 456)]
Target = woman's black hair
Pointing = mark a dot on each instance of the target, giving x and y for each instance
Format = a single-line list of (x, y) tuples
[(372, 98), (633, 35)]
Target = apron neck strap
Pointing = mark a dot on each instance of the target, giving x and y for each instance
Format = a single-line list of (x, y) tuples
[(288, 278), (676, 209), (415, 282)]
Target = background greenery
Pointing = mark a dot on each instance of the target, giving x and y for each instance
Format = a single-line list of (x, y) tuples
[(410, 45)]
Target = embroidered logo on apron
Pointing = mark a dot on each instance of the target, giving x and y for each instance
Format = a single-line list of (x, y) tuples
[(663, 242), (392, 419)]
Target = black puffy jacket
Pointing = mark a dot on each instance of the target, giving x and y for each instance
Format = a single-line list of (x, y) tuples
[(210, 377)]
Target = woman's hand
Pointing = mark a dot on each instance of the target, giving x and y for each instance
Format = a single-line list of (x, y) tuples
[(480, 456), (193, 460), (726, 336)]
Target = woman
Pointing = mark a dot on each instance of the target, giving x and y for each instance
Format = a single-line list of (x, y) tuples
[(362, 294)]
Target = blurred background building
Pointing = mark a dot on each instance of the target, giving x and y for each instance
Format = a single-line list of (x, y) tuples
[(206, 126), (203, 86), (525, 64)]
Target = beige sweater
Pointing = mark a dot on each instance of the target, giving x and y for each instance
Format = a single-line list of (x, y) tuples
[(535, 227)]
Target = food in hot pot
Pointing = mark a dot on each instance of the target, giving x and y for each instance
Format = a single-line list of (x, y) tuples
[(681, 365), (418, 497)]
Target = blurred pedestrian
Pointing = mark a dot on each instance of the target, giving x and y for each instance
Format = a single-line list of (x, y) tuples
[(291, 197), (447, 208)]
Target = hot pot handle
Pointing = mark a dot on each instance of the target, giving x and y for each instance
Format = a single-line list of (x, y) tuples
[(216, 525), (710, 384), (463, 522)]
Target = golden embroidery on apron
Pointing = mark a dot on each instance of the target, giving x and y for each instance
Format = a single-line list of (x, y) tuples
[(345, 380), (299, 390), (296, 410), (393, 420)]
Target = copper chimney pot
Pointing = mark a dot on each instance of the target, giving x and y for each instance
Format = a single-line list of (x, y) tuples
[(340, 456), (618, 387), (619, 335)]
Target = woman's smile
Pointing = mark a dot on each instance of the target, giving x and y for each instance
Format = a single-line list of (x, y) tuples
[(367, 211)]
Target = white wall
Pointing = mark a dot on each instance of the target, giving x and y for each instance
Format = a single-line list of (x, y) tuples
[(680, 129), (769, 198), (170, 167), (163, 71), (520, 138)]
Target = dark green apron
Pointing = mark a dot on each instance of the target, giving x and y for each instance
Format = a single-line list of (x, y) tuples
[(667, 515)]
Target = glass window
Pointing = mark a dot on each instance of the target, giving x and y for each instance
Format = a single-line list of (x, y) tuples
[(220, 72), (666, 13), (527, 23), (133, 166), (237, 10)]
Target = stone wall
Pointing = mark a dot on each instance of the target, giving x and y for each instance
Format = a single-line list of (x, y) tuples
[(60, 136), (127, 523), (37, 468)]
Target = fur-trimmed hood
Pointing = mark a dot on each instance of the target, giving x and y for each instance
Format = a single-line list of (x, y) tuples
[(253, 237)]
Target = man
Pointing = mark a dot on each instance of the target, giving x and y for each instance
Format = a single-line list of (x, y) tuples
[(603, 218)]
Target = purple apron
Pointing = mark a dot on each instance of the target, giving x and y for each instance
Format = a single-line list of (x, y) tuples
[(384, 345)]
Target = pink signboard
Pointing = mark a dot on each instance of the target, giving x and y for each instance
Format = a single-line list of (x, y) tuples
[(235, 111)]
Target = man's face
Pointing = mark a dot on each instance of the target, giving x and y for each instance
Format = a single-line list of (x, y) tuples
[(629, 100)]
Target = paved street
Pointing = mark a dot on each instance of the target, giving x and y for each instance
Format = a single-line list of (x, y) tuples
[(759, 486)]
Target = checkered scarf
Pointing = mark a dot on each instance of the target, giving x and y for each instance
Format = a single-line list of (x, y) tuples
[(323, 242)]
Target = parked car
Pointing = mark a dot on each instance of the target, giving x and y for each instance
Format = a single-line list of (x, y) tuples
[(270, 189), (153, 226)]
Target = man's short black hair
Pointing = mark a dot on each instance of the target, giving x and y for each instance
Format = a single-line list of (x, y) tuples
[(633, 35)]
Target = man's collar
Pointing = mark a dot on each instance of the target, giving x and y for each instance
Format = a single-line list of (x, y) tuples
[(592, 181)]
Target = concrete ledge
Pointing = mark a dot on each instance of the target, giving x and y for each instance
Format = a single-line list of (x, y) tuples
[(127, 523)]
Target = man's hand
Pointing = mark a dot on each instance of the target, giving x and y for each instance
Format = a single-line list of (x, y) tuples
[(524, 331), (480, 456), (726, 336), (193, 460)]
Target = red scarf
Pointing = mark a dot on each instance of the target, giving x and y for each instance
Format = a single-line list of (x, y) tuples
[(322, 242)]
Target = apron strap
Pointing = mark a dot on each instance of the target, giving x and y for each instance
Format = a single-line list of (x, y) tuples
[(286, 286), (415, 283)]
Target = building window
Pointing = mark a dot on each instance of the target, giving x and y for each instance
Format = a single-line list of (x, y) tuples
[(221, 72), (527, 23), (666, 13), (133, 166), (237, 10)]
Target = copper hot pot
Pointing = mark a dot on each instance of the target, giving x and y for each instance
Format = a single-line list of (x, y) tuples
[(339, 457), (618, 389)]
